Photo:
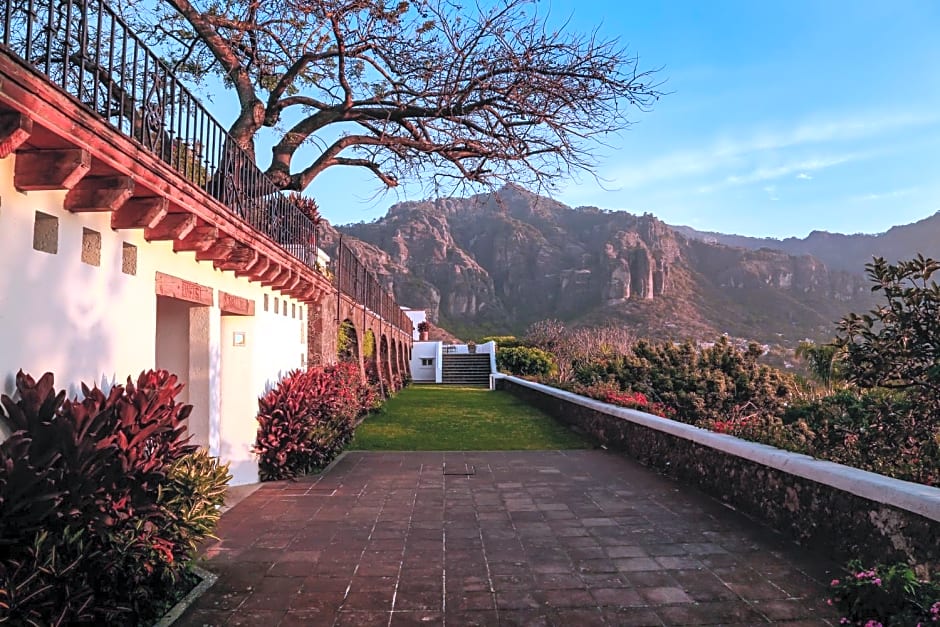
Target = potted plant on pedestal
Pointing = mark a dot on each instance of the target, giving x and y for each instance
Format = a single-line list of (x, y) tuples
[(423, 329)]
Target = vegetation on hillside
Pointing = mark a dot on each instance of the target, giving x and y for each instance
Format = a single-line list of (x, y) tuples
[(873, 401)]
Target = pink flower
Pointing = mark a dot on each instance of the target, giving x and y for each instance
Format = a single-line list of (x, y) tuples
[(828, 601), (834, 582), (873, 623), (876, 581)]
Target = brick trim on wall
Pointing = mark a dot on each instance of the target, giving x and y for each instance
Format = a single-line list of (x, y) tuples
[(175, 287), (236, 305)]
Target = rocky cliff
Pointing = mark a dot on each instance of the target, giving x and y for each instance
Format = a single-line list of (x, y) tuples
[(498, 262)]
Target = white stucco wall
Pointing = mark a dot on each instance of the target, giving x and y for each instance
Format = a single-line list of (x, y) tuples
[(463, 349), (99, 325), (427, 374)]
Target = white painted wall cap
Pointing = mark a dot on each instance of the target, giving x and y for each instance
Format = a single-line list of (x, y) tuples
[(913, 497)]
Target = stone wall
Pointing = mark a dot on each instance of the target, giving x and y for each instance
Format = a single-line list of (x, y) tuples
[(843, 511)]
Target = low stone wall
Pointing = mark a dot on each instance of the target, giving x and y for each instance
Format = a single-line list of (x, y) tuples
[(844, 511)]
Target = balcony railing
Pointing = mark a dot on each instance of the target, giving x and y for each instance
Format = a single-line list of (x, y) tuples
[(86, 49), (355, 280)]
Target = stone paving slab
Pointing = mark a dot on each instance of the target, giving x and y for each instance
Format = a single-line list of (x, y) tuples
[(531, 538)]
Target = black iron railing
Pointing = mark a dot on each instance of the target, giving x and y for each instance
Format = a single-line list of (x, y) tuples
[(86, 49), (354, 280)]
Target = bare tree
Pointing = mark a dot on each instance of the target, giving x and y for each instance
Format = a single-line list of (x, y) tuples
[(407, 88), (573, 347)]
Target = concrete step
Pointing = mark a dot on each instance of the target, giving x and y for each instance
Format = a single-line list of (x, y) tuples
[(466, 369)]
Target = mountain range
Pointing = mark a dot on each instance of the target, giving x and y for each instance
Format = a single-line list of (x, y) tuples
[(496, 262), (839, 251)]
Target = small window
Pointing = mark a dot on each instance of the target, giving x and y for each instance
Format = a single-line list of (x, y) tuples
[(266, 305), (301, 312), (46, 233), (91, 247), (129, 259), (277, 305), (427, 361), (293, 310)]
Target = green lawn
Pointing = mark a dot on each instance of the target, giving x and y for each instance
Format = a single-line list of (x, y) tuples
[(445, 418)]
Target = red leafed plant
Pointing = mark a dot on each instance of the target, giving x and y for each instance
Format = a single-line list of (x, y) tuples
[(84, 535), (307, 419), (610, 393)]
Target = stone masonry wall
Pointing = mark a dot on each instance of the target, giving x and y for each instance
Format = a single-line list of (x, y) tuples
[(834, 520)]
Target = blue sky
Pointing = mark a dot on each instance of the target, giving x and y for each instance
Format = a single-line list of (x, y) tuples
[(784, 117)]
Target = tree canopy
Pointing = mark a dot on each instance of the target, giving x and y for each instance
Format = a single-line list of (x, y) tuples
[(410, 88), (897, 345)]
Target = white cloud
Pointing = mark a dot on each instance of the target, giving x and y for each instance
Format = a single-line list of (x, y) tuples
[(742, 151), (771, 192), (765, 173), (803, 176), (896, 193)]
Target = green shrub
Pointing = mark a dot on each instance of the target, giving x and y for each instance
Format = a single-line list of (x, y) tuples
[(700, 384), (195, 490), (883, 431), (896, 345), (525, 361), (368, 345), (86, 532), (503, 341), (346, 348)]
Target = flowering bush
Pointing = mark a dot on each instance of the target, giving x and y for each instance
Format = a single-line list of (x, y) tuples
[(877, 430), (610, 393), (885, 596), (749, 424), (308, 418), (700, 384), (92, 525)]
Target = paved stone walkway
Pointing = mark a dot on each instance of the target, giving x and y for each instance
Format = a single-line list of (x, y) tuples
[(530, 538)]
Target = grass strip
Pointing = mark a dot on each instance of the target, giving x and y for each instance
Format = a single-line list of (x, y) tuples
[(447, 418)]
